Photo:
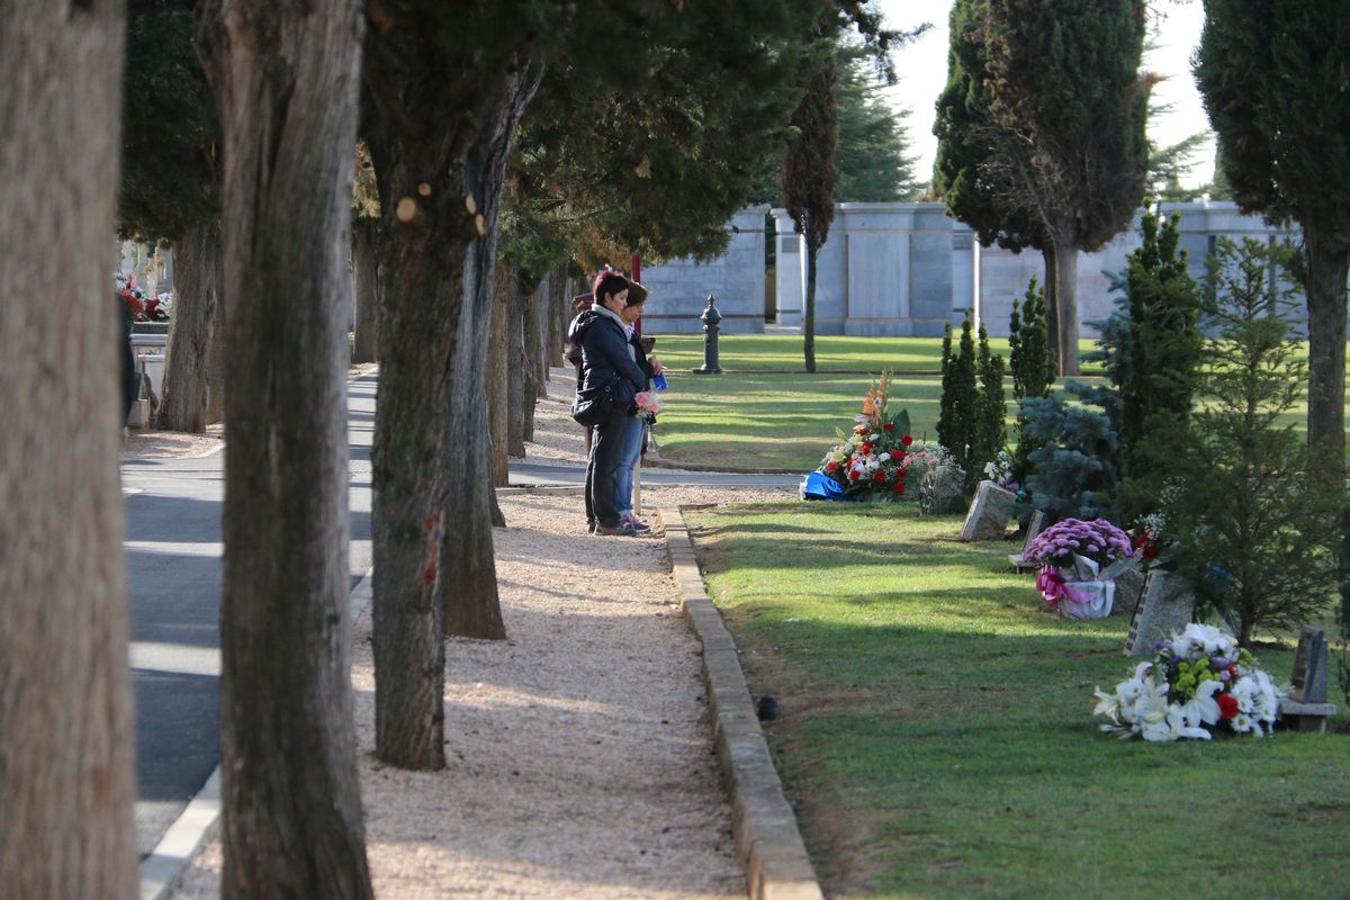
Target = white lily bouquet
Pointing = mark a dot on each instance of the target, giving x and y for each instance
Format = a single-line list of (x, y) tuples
[(1200, 684)]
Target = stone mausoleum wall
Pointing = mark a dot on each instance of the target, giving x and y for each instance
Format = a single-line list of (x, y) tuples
[(902, 269)]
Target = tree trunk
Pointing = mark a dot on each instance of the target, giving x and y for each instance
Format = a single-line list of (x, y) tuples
[(215, 352), (498, 518), (499, 377), (186, 388), (67, 769), (469, 590), (421, 269), (1051, 304), (809, 319), (286, 76), (1066, 302), (365, 286), (519, 369), (1328, 262)]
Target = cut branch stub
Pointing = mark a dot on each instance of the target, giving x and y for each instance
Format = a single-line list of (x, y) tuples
[(406, 209), (471, 205)]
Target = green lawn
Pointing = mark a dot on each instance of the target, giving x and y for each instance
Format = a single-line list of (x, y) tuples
[(776, 421), (788, 421), (936, 733), (748, 352)]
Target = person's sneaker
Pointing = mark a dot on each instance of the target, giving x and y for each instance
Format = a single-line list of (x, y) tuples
[(590, 526), (636, 524), (623, 529)]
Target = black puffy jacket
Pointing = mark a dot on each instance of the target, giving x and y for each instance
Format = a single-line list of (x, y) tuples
[(604, 354)]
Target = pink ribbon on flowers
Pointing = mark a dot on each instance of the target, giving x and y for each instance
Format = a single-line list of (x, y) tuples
[(1055, 590)]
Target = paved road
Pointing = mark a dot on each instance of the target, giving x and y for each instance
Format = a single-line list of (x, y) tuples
[(528, 473), (173, 552)]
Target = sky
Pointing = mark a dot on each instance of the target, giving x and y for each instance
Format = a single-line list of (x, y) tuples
[(922, 70)]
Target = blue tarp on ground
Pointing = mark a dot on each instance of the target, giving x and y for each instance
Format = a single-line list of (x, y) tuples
[(819, 486)]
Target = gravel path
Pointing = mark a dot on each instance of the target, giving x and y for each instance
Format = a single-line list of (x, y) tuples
[(580, 751)]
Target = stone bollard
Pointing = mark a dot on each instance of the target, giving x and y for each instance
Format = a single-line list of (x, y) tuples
[(710, 318)]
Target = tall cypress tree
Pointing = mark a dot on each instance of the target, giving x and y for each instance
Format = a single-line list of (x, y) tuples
[(1032, 362), (1064, 77), (989, 432), (1273, 77), (808, 169), (946, 424), (1166, 345), (974, 169)]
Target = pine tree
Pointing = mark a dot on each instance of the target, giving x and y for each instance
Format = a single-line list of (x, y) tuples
[(1247, 501)]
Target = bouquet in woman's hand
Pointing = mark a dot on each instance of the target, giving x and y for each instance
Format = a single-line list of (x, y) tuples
[(647, 406)]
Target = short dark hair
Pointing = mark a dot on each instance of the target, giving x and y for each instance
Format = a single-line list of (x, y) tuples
[(609, 283), (637, 294)]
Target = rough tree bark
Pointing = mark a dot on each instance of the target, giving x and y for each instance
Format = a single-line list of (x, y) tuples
[(186, 390), (432, 342), (809, 318), (365, 278), (215, 353), (469, 590), (519, 369), (66, 753), (1066, 305), (498, 376), (1328, 265), (286, 74)]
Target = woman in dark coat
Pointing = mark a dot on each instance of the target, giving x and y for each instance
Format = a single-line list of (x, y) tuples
[(605, 358)]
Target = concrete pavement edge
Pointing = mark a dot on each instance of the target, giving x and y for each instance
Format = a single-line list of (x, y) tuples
[(768, 840)]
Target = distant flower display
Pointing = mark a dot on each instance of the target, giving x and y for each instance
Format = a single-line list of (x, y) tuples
[(1201, 684)]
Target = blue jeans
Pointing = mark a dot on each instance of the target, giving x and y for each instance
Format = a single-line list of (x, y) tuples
[(631, 449)]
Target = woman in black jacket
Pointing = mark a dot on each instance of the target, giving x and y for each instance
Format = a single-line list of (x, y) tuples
[(606, 359)]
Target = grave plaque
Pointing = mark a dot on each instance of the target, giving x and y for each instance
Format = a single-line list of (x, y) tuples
[(1129, 591), (989, 513), (1034, 527), (1308, 681), (1167, 604)]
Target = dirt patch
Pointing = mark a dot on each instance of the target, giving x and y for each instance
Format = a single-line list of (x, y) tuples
[(173, 444)]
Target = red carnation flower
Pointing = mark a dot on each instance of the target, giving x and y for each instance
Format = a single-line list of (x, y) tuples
[(865, 449), (832, 466), (907, 440), (900, 487), (1228, 706), (1150, 551), (853, 475), (889, 426), (879, 477)]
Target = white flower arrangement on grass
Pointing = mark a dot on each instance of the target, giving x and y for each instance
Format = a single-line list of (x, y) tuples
[(1200, 684)]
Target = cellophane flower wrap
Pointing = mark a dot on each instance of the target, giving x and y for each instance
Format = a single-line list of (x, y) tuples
[(871, 461), (1201, 684), (1079, 560)]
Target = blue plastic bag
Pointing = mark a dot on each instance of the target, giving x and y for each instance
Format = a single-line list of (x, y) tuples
[(819, 486)]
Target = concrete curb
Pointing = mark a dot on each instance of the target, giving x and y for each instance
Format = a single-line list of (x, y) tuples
[(161, 870), (767, 838)]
